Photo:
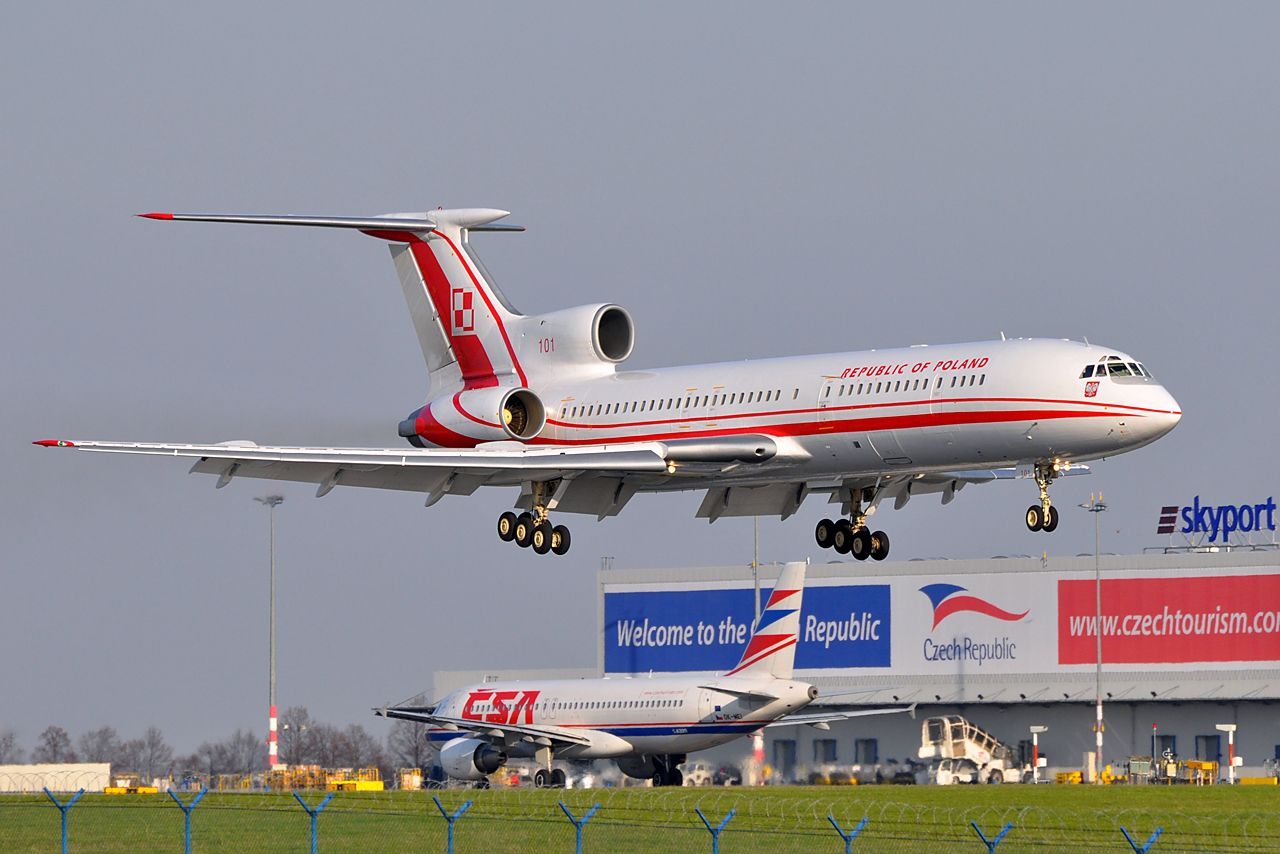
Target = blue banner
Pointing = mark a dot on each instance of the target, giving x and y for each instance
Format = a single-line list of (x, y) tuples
[(670, 631)]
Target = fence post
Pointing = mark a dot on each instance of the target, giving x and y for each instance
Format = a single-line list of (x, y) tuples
[(990, 843), (578, 823), (715, 831), (451, 818), (186, 809), (1144, 848), (313, 813), (847, 836), (64, 808)]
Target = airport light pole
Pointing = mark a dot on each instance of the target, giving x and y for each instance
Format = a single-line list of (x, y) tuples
[(1097, 506), (1230, 730), (272, 502), (1036, 729)]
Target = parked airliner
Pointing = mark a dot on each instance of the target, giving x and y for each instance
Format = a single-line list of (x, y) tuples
[(647, 725), (538, 402)]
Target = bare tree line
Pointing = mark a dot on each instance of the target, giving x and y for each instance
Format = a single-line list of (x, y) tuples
[(303, 741)]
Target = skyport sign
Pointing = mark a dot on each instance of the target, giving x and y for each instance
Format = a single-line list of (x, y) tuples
[(1217, 520)]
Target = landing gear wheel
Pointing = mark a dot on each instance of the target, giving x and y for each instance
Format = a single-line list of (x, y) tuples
[(507, 527), (825, 533), (540, 778), (560, 539), (1035, 518), (482, 783), (860, 545), (1051, 521), (524, 530), (541, 539), (675, 778), (879, 545), (842, 536), (659, 778), (557, 779)]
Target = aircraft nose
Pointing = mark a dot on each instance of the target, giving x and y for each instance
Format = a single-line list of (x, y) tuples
[(1169, 412)]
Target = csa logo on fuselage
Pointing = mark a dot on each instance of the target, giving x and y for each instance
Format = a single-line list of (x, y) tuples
[(500, 707)]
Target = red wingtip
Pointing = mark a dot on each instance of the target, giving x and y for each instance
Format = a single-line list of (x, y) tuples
[(54, 443), (154, 215)]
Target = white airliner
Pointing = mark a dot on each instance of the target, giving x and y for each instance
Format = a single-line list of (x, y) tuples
[(538, 402), (648, 725)]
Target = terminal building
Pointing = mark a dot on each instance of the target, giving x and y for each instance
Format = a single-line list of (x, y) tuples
[(1190, 641)]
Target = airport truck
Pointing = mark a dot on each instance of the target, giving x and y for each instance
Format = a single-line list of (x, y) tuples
[(966, 754)]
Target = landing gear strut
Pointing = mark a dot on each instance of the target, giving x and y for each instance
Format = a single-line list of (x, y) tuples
[(850, 536), (534, 529), (1044, 516)]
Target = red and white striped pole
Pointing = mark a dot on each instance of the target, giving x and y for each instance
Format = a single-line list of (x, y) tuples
[(272, 742), (272, 501)]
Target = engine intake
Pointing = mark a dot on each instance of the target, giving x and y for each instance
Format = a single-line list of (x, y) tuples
[(472, 416), (471, 759)]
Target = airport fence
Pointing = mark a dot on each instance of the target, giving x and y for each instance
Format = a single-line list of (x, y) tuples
[(974, 819)]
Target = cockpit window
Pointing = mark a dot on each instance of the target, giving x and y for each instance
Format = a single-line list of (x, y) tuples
[(1119, 369), (1145, 372), (1102, 371), (1137, 370), (1087, 372)]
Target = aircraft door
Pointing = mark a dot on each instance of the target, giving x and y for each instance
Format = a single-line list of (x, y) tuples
[(706, 711), (552, 703)]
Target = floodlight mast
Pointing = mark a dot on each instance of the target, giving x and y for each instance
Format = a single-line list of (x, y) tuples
[(1095, 506), (272, 502)]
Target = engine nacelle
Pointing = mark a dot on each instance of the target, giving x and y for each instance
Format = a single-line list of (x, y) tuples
[(470, 759), (639, 767), (588, 337), (477, 415)]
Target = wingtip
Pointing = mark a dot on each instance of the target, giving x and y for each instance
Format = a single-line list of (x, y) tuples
[(54, 443), (156, 215)]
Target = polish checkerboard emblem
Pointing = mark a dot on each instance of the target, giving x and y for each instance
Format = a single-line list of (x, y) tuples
[(464, 316), (1091, 389)]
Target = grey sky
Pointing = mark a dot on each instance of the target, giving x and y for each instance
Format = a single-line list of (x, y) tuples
[(748, 183)]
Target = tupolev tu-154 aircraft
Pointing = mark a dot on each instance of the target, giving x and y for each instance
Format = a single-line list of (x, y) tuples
[(647, 725), (538, 402)]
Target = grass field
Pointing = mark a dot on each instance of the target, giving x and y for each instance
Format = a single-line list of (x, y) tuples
[(906, 818)]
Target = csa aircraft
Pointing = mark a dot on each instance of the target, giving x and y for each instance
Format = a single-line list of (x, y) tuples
[(647, 725), (538, 402)]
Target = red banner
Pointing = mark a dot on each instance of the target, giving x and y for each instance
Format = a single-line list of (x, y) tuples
[(1171, 620)]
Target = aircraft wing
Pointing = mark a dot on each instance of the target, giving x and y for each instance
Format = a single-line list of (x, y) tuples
[(436, 472), (822, 719), (506, 732)]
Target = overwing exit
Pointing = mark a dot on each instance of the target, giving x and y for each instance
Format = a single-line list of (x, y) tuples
[(539, 403)]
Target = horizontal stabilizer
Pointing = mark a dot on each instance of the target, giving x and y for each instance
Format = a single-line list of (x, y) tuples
[(478, 219)]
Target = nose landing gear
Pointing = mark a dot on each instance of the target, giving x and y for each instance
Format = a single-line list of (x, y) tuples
[(1044, 516)]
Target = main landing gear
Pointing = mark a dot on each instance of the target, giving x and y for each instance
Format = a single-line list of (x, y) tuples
[(544, 779), (530, 531), (852, 537), (1044, 516), (665, 771)]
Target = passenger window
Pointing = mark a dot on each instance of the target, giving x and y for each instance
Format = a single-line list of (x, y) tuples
[(953, 382), (878, 387), (982, 380), (962, 379), (859, 388), (795, 395), (939, 383)]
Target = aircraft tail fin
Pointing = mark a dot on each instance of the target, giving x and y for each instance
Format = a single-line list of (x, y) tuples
[(771, 651), (459, 314)]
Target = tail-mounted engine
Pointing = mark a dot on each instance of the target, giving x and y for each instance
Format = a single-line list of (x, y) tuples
[(471, 759), (476, 415), (588, 338)]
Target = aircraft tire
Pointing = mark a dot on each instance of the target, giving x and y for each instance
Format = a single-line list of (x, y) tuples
[(507, 527), (524, 532), (879, 545), (842, 536), (557, 779), (675, 778), (1035, 518), (540, 778), (825, 533), (860, 544), (1051, 521), (560, 539), (541, 537), (659, 777)]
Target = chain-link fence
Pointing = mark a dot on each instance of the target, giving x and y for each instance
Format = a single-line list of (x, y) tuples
[(784, 819)]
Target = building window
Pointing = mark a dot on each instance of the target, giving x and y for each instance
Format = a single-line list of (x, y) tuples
[(1209, 748), (866, 751), (824, 750), (784, 757), (1167, 744)]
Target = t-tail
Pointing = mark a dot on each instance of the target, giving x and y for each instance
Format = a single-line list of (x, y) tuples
[(460, 316), (771, 651)]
